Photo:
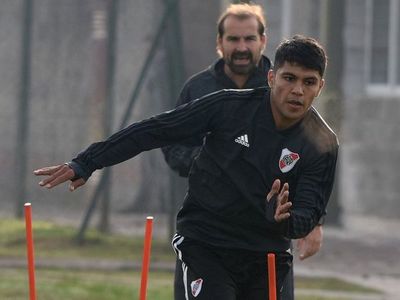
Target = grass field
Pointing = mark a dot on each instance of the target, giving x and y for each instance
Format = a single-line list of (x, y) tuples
[(57, 243), (88, 285), (54, 241), (113, 285)]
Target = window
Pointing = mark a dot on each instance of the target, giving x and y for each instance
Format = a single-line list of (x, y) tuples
[(383, 46)]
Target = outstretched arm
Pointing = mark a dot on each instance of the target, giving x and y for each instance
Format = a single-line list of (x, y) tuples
[(197, 117)]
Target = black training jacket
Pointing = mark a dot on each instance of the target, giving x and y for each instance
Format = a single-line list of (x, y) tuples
[(180, 156), (242, 155)]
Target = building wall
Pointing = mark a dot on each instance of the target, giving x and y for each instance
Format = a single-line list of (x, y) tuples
[(370, 145)]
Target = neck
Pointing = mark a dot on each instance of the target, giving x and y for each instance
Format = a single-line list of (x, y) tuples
[(238, 79), (281, 123)]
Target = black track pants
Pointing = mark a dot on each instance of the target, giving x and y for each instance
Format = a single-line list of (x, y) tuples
[(210, 273)]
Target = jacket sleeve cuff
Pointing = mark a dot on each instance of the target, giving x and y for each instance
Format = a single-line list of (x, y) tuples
[(78, 170), (270, 208)]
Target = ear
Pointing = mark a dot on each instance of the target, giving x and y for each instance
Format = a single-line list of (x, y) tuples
[(219, 45), (271, 78), (264, 40), (321, 86)]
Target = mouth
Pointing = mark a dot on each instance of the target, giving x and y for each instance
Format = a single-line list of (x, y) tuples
[(241, 58), (241, 61), (295, 103)]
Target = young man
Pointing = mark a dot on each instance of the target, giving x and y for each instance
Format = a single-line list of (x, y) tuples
[(263, 176), (241, 41)]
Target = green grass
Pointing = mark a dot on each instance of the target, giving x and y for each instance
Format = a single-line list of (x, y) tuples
[(113, 285), (88, 285), (54, 241), (57, 242)]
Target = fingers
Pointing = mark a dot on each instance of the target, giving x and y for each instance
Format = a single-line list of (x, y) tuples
[(282, 212), (283, 205), (302, 248), (274, 189), (76, 183), (284, 194), (57, 174), (283, 217), (307, 249), (306, 253), (47, 170), (282, 202), (310, 244)]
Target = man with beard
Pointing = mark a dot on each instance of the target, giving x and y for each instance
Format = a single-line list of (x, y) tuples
[(241, 41)]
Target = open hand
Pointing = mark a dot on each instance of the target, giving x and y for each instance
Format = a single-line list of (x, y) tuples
[(282, 202), (57, 175)]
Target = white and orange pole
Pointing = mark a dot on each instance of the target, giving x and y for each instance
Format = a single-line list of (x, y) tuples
[(30, 252), (271, 276), (146, 257)]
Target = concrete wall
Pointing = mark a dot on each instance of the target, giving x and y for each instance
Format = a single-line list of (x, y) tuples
[(370, 144)]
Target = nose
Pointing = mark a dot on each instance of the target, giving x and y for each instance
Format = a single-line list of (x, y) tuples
[(241, 45), (298, 89)]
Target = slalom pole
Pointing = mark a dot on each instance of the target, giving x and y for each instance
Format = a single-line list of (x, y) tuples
[(29, 249), (271, 276), (146, 257)]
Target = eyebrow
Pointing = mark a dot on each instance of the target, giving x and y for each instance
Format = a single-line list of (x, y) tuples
[(239, 36), (294, 75)]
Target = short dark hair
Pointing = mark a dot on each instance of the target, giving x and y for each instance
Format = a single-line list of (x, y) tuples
[(301, 50), (242, 11)]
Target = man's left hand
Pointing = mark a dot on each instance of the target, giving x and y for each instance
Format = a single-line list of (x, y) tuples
[(283, 204), (310, 244)]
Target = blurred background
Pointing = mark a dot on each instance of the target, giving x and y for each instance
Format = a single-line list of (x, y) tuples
[(73, 71)]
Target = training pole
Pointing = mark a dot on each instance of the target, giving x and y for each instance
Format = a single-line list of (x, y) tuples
[(29, 249), (271, 276), (146, 257)]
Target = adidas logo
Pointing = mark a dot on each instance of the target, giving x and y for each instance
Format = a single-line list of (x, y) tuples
[(243, 140)]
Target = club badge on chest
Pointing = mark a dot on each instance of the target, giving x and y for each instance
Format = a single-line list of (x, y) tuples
[(288, 160)]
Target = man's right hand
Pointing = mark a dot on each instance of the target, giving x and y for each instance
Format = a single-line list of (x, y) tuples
[(310, 244), (57, 175)]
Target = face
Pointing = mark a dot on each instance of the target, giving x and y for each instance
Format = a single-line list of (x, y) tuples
[(293, 90), (241, 45)]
